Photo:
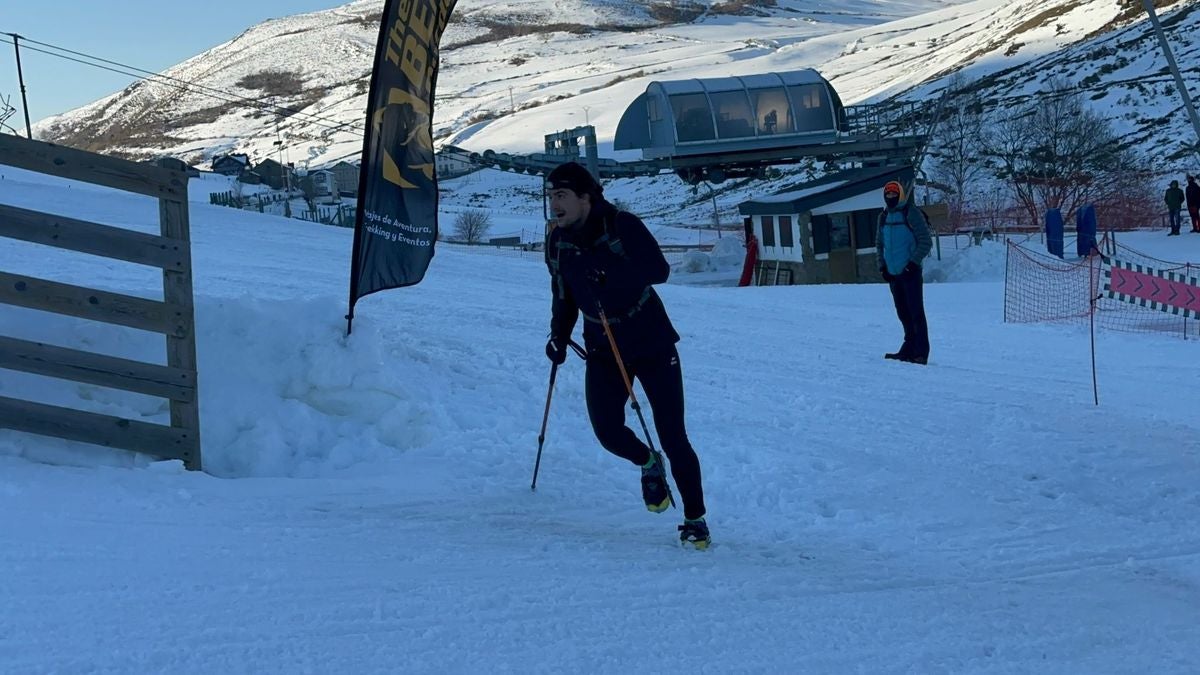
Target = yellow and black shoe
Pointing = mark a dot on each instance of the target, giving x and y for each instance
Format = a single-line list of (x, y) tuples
[(655, 491), (695, 533)]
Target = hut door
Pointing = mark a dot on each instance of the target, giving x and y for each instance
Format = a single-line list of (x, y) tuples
[(843, 261)]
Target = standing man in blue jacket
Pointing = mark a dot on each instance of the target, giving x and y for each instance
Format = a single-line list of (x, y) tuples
[(605, 260), (901, 242)]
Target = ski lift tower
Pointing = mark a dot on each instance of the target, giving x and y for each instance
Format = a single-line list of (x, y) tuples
[(1183, 91), (565, 144)]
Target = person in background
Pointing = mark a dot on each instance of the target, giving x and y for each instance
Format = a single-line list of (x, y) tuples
[(902, 241), (1174, 200), (1193, 202)]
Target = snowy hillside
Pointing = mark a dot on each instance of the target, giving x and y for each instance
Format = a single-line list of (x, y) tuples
[(513, 71), (368, 508)]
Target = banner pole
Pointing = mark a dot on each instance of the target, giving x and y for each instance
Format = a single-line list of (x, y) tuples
[(396, 219)]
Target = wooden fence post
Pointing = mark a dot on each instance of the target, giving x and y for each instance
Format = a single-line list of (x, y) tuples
[(173, 317)]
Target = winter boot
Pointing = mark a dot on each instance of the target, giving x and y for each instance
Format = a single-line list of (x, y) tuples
[(655, 491), (695, 532)]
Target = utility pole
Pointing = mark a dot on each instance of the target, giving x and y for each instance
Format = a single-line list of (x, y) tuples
[(279, 153), (512, 104), (1166, 48), (716, 214), (21, 80)]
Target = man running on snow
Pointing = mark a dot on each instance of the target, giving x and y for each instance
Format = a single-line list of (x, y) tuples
[(605, 260)]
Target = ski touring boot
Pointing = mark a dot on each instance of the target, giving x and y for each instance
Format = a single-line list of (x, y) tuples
[(655, 490), (694, 533)]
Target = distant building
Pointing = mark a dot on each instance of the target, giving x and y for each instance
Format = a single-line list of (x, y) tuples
[(274, 174), (451, 166), (346, 175), (178, 165), (324, 184), (824, 231), (230, 165)]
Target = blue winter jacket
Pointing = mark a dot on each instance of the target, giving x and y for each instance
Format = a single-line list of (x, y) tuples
[(898, 243)]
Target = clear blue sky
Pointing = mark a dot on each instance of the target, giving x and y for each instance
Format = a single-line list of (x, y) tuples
[(149, 34)]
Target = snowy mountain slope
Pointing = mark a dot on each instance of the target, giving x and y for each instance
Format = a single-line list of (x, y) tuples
[(559, 64), (1123, 73)]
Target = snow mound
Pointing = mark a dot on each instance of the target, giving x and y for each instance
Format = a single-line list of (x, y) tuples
[(984, 262), (727, 254), (282, 393)]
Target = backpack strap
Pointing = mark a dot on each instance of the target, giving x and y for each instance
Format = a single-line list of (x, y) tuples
[(884, 213), (614, 320), (552, 261), (610, 238)]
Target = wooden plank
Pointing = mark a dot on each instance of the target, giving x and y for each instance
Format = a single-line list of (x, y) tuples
[(86, 303), (105, 371), (85, 427), (102, 240), (89, 167), (177, 290)]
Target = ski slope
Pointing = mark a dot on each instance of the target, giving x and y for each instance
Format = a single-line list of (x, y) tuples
[(368, 508)]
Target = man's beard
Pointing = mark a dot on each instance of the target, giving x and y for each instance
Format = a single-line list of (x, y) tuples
[(891, 202)]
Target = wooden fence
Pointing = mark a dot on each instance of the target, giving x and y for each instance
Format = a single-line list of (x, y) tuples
[(172, 317)]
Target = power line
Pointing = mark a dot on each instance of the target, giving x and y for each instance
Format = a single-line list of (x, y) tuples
[(202, 90)]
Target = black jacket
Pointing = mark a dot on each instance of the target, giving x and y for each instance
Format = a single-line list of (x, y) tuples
[(1193, 196), (611, 261)]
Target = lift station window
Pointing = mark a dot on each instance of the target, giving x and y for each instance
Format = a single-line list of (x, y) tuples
[(812, 108), (773, 111), (693, 119), (735, 118)]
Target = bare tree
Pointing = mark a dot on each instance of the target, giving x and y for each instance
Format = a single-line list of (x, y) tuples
[(1130, 199), (1058, 154), (472, 226), (957, 154), (6, 112), (237, 191), (1005, 143), (310, 193)]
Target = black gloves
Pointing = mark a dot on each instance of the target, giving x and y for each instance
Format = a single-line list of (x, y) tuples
[(884, 273), (556, 351), (912, 268)]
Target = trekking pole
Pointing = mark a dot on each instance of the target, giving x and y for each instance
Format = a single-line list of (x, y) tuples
[(545, 418), (612, 341)]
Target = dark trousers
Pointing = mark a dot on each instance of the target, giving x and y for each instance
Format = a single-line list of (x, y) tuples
[(662, 380), (909, 295), (1174, 215), (1195, 216)]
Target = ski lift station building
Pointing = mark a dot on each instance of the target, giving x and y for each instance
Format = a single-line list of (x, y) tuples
[(732, 115)]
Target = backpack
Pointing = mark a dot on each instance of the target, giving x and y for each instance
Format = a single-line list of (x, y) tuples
[(609, 237), (883, 217)]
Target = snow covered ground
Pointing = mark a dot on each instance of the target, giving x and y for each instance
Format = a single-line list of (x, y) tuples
[(368, 507)]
